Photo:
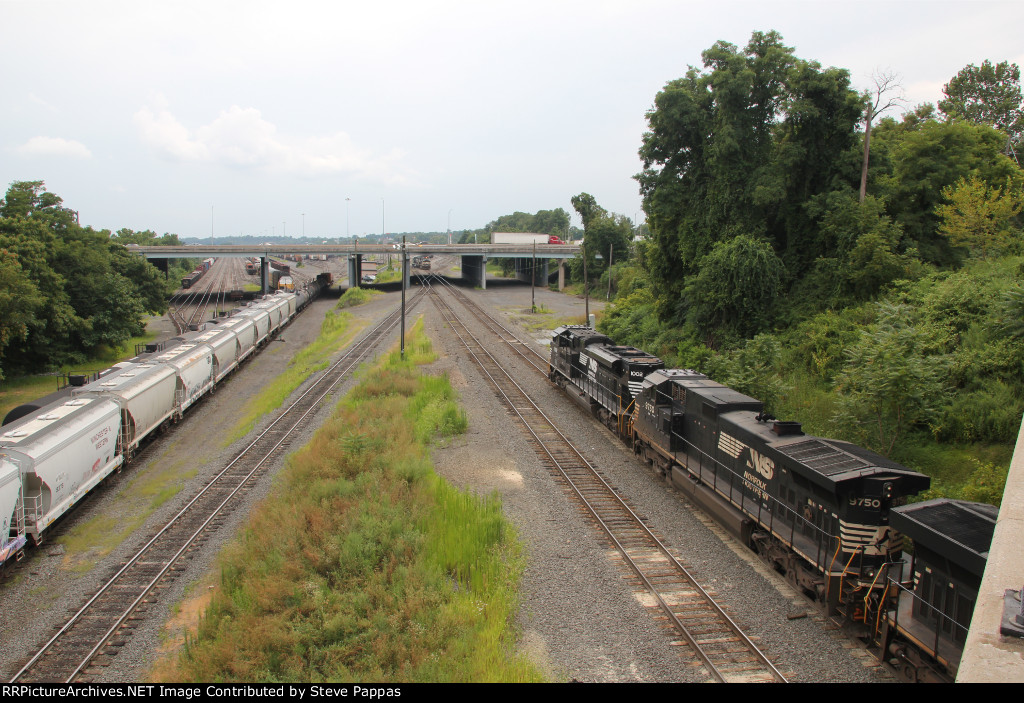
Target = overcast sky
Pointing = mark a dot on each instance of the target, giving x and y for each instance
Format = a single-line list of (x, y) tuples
[(238, 117)]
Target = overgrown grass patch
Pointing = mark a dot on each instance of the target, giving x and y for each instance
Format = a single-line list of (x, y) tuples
[(337, 331), (393, 272), (356, 296), (365, 565)]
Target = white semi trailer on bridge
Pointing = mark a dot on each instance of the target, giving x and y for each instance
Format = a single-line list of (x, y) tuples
[(524, 238)]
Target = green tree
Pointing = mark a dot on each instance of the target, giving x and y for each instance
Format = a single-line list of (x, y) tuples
[(83, 290), (586, 206), (604, 235), (892, 380), (739, 149), (736, 288), (1012, 321), (144, 237), (858, 245), (926, 159), (551, 222), (20, 302), (987, 94), (978, 216)]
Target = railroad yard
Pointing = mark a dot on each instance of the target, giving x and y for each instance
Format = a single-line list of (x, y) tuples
[(584, 615)]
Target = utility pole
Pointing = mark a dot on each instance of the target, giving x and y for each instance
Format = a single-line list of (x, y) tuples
[(610, 251), (586, 288), (403, 298), (533, 280)]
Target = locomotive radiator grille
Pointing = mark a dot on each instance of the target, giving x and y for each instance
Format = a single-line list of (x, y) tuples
[(823, 457)]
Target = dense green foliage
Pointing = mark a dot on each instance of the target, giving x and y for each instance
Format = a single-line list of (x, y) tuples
[(66, 292), (606, 239), (896, 322), (739, 150), (987, 94)]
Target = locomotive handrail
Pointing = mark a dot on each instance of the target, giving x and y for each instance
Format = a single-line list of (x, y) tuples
[(831, 565), (626, 413), (881, 608), (867, 595), (846, 569)]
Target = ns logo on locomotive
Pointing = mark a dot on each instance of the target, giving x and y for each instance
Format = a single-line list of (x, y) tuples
[(822, 512)]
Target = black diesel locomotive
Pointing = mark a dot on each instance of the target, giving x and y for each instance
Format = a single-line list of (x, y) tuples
[(816, 509)]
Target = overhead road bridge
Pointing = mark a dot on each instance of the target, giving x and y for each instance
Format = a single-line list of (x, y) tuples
[(535, 259)]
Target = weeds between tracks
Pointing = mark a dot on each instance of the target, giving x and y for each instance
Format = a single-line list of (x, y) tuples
[(365, 565)]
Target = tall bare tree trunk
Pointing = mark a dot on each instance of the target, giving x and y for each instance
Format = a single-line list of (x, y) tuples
[(867, 149)]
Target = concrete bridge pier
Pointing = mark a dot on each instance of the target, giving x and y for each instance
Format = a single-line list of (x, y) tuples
[(474, 270), (524, 267), (264, 274), (355, 265)]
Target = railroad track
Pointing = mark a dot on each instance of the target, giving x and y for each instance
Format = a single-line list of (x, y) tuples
[(716, 642), (526, 351), (104, 623), (211, 289)]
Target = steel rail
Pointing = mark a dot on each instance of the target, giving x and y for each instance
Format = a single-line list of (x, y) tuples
[(530, 355)]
